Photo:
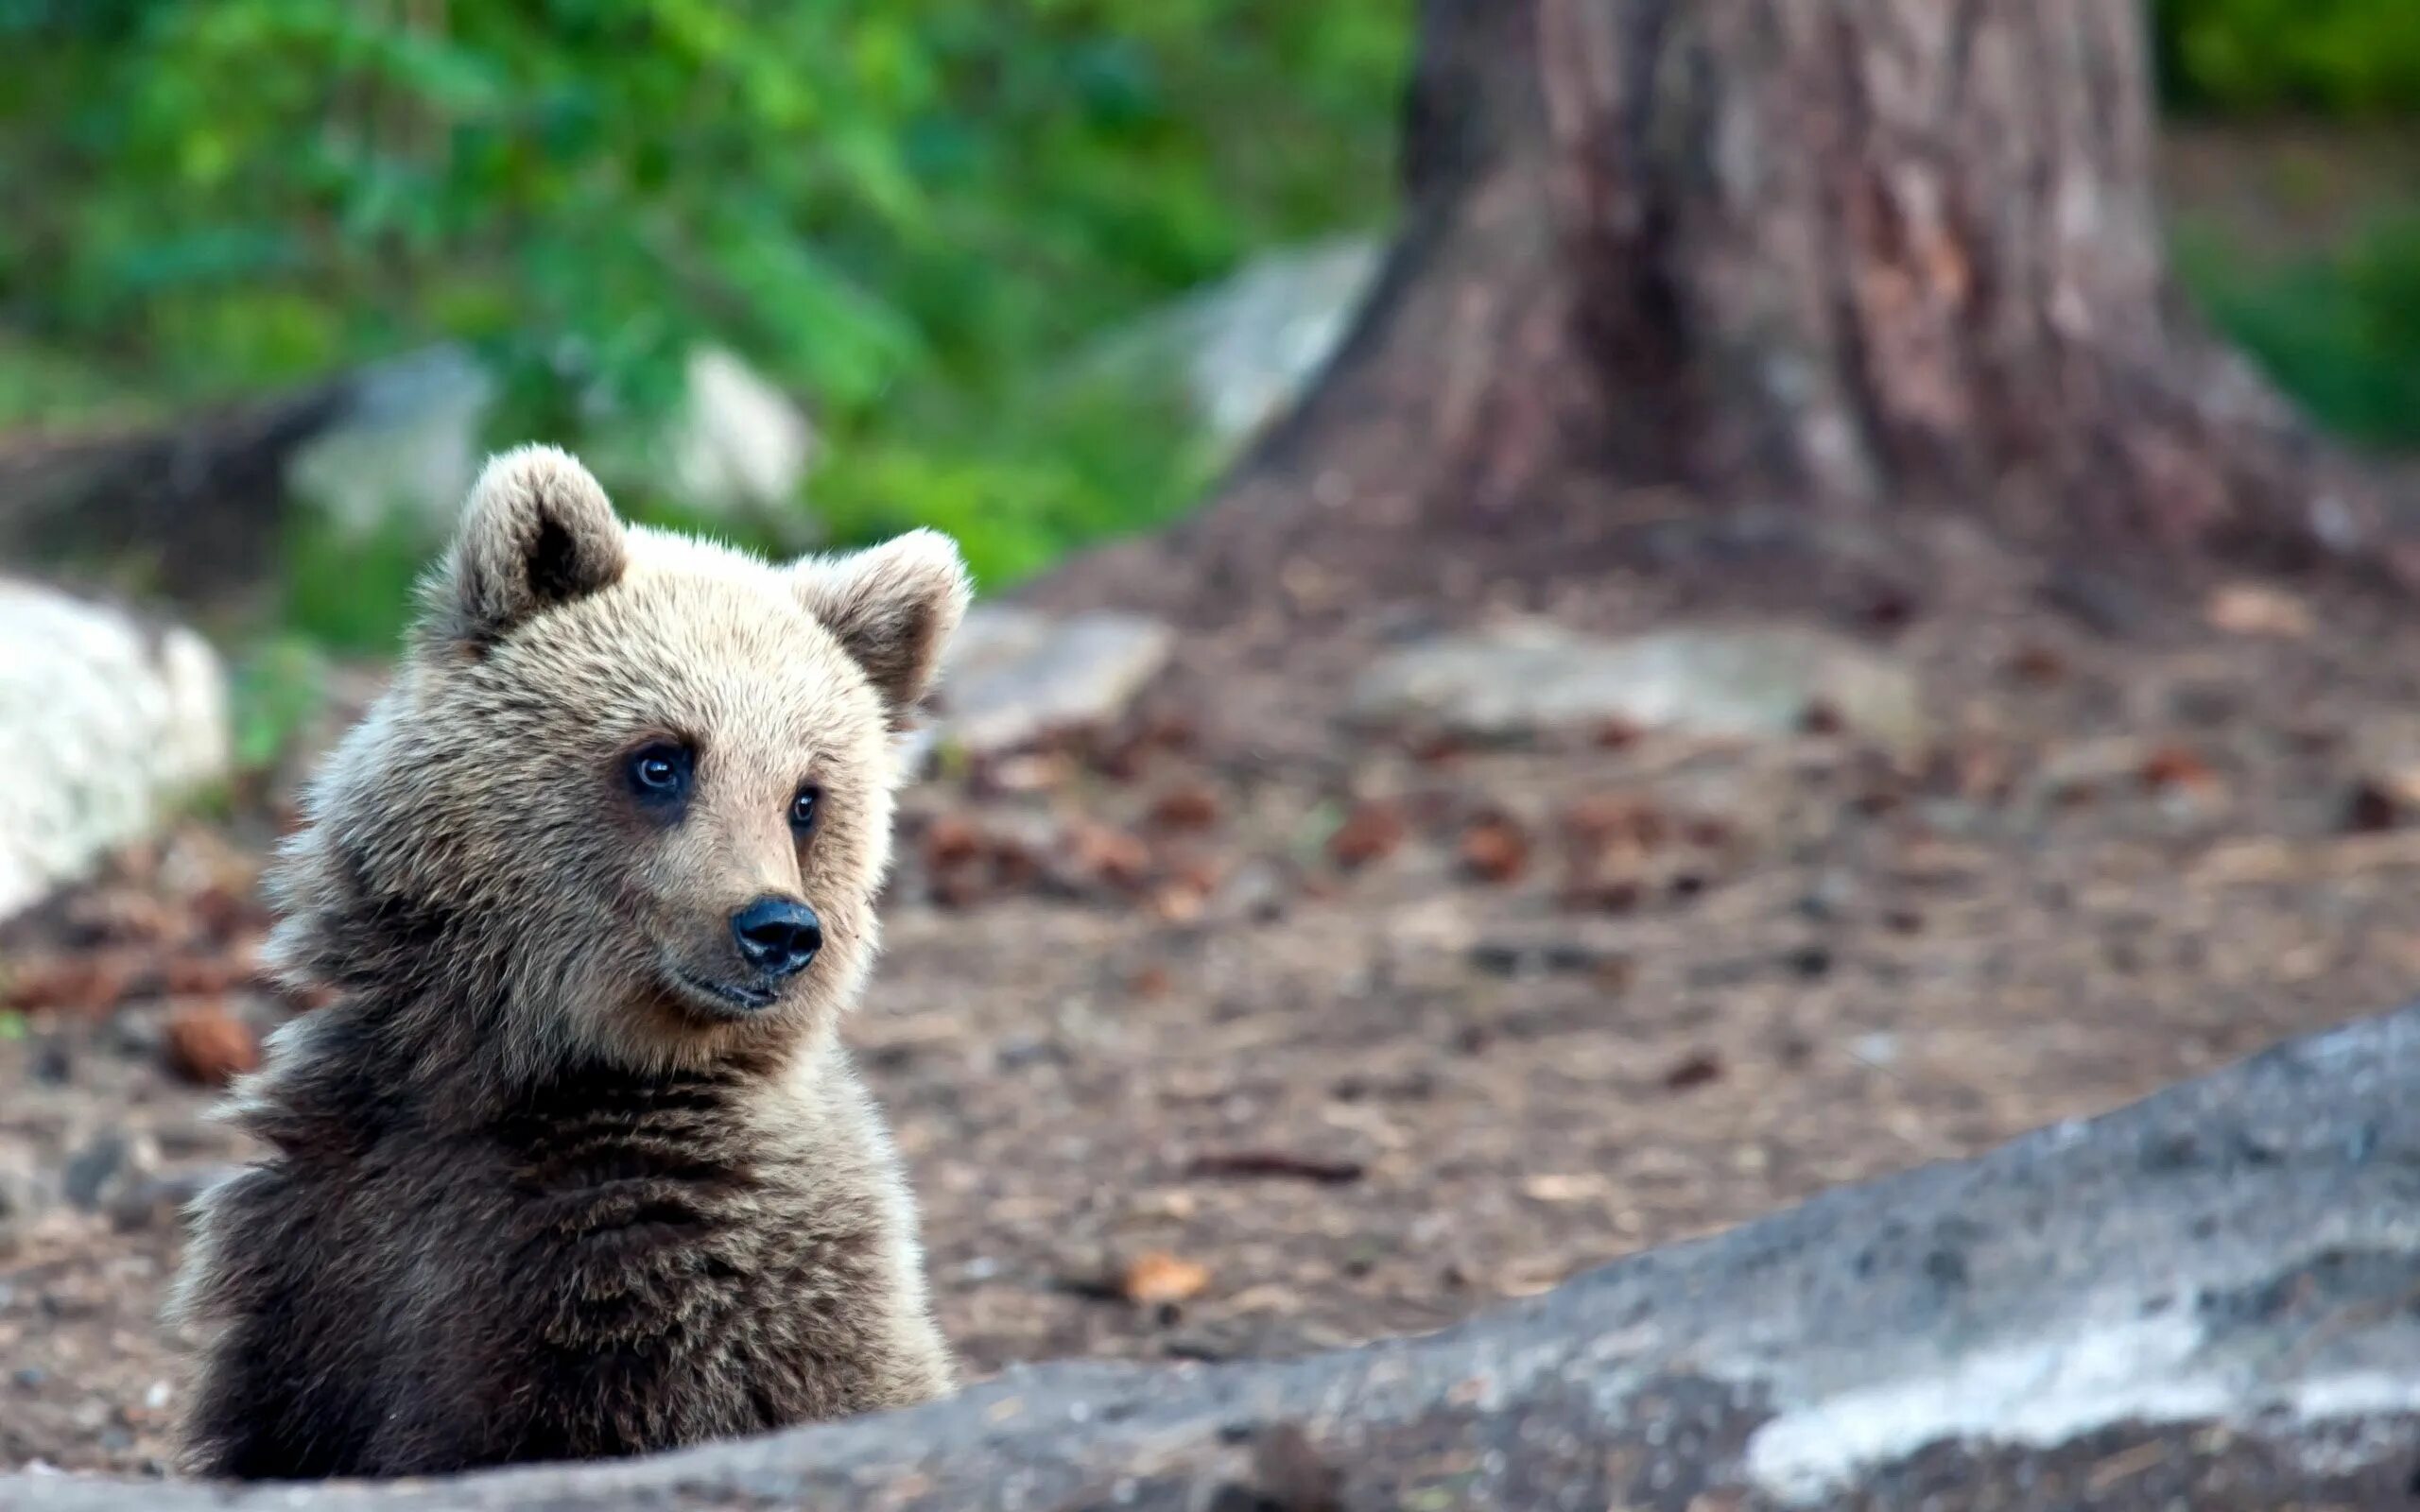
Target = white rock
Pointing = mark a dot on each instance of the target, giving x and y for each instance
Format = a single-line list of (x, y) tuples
[(105, 722), (406, 449), (739, 444), (1267, 332), (1013, 674), (1250, 344), (1520, 680)]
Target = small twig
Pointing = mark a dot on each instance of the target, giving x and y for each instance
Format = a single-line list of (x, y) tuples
[(2124, 1465), (1274, 1164), (2275, 861)]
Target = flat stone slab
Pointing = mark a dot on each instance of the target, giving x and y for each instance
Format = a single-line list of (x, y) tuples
[(105, 721), (1015, 675), (1751, 682), (2205, 1300)]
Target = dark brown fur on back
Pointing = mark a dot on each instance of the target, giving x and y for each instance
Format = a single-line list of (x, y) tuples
[(608, 1263)]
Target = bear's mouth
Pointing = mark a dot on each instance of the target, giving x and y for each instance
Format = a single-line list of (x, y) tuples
[(724, 996)]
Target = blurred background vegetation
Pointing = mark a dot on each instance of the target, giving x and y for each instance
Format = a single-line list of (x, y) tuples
[(914, 217)]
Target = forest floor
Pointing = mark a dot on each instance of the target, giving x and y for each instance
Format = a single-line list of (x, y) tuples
[(1234, 1031)]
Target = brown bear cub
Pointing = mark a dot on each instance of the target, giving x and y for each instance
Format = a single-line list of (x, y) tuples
[(574, 1164)]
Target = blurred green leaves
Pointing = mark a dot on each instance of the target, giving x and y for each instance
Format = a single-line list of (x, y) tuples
[(897, 207), (2340, 332), (906, 212), (2345, 59)]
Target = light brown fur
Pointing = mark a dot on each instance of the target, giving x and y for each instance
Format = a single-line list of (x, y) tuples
[(535, 1193)]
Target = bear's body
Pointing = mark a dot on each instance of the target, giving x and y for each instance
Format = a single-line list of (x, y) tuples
[(575, 1165)]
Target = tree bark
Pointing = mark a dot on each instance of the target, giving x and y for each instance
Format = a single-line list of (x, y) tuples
[(1825, 254)]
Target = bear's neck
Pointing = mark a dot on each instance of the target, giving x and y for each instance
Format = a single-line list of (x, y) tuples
[(685, 1113), (359, 1072)]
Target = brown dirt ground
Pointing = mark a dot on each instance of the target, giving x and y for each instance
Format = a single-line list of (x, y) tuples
[(1575, 998)]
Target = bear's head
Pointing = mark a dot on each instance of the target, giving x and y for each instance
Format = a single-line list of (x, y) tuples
[(629, 796)]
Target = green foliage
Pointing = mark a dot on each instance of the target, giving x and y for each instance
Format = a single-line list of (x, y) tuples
[(351, 592), (2346, 58), (2340, 333), (41, 385), (902, 211), (275, 688), (1066, 462)]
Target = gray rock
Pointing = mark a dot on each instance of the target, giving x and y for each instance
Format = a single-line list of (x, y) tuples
[(91, 1168), (2204, 1300), (108, 1168), (405, 447), (1250, 344), (106, 723), (26, 1195), (1521, 679), (410, 436), (1260, 337), (161, 1201), (1015, 675)]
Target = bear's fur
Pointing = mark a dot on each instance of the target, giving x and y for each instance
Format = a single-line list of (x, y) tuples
[(554, 1176)]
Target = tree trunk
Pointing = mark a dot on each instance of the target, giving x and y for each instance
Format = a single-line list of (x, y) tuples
[(1826, 254)]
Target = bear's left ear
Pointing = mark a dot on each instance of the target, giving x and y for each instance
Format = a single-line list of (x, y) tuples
[(536, 531), (893, 607)]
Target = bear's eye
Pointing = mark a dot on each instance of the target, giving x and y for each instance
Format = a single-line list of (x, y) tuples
[(803, 809), (659, 773)]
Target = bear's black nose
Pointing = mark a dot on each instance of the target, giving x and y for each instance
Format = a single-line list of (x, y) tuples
[(778, 935)]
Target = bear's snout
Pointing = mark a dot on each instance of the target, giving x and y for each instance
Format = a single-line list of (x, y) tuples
[(777, 936)]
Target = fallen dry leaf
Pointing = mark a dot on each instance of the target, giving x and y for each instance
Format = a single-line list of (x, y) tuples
[(2372, 807), (211, 1046), (1192, 806), (950, 840), (1203, 874), (1155, 1207), (1436, 747), (1588, 893), (1528, 1280), (1108, 854), (197, 976), (1706, 833), (1613, 818), (1014, 865), (2175, 766), (1025, 772), (2249, 608), (118, 916), (958, 888), (1694, 1070), (1617, 734), (2037, 665), (1495, 849), (1157, 1277), (1372, 832), (1175, 903), (84, 981), (2401, 784), (1556, 1186)]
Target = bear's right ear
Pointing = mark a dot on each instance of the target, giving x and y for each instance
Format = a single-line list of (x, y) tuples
[(538, 531), (892, 608)]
